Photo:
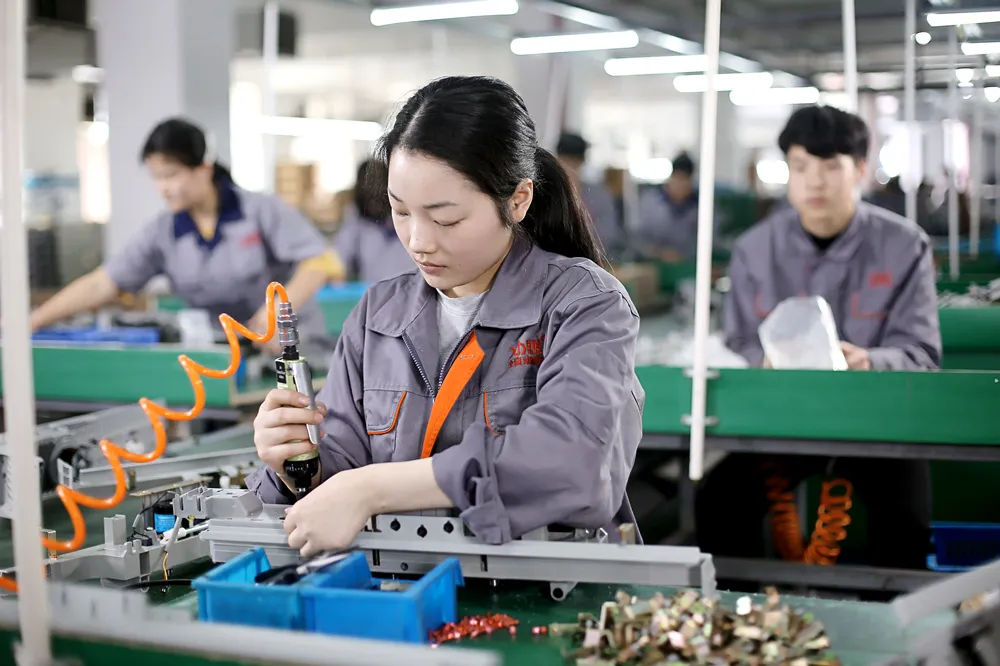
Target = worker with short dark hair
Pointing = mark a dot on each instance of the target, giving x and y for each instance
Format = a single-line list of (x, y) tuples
[(598, 202), (875, 270), (668, 215)]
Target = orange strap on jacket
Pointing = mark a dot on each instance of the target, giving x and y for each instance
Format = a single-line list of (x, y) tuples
[(458, 376)]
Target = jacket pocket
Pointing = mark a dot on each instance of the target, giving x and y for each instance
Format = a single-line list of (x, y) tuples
[(504, 407), (382, 412)]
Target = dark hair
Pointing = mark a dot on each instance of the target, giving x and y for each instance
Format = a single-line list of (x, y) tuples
[(683, 164), (183, 142), (480, 127), (824, 131), (572, 145), (370, 199)]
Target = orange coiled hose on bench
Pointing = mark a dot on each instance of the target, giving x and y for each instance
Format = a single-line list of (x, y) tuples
[(74, 499), (830, 528)]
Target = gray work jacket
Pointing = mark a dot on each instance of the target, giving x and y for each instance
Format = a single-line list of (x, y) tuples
[(878, 278), (546, 430)]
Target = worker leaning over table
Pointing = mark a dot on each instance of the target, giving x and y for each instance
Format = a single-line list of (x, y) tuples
[(875, 270), (218, 245), (510, 317)]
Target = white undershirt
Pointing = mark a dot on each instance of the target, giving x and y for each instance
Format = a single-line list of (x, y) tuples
[(454, 318)]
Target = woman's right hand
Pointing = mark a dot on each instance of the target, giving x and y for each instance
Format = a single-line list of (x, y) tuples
[(279, 431)]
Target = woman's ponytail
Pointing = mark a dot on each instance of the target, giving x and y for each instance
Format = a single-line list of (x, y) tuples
[(557, 220)]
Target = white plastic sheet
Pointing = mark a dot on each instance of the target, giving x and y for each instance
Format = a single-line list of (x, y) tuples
[(800, 333)]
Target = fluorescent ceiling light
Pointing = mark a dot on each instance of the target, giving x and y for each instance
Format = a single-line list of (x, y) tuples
[(88, 74), (992, 93), (992, 70), (690, 83), (586, 41), (938, 19), (980, 48), (965, 75), (775, 96), (655, 65), (443, 11), (922, 38), (320, 128)]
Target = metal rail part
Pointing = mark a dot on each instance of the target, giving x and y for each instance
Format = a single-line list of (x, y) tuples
[(122, 559), (57, 439), (237, 521), (127, 618), (971, 638)]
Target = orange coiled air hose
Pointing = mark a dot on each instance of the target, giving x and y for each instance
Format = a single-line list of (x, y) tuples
[(73, 499), (830, 528)]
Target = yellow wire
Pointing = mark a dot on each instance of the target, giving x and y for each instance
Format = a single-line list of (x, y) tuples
[(165, 556)]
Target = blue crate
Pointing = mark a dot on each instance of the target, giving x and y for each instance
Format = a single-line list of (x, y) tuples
[(229, 594), (962, 546), (345, 600), (125, 335), (348, 291)]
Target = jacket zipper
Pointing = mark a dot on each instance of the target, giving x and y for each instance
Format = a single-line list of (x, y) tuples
[(451, 355), (420, 368)]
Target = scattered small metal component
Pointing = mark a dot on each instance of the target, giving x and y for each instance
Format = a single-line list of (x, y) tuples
[(690, 629), (473, 626)]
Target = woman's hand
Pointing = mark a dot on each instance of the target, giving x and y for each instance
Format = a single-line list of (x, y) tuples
[(279, 431), (328, 518)]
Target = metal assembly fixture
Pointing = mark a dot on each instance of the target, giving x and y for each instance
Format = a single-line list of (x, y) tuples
[(237, 521)]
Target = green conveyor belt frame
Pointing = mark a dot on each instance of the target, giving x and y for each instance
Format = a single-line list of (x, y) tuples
[(917, 407)]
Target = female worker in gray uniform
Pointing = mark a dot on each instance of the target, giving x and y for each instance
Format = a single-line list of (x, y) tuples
[(497, 380), (218, 245), (366, 241)]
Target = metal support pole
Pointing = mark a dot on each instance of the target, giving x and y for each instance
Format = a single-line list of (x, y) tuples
[(910, 110), (978, 155), (953, 120), (706, 228), (18, 372), (850, 56), (268, 105), (996, 186)]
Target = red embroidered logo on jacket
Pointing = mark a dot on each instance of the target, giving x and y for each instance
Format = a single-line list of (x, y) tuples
[(527, 352), (883, 279), (250, 240)]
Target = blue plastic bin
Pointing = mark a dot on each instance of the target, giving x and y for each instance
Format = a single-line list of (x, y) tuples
[(125, 335), (229, 594), (962, 546), (345, 600), (348, 291)]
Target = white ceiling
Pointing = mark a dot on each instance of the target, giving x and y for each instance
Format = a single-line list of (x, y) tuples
[(368, 69)]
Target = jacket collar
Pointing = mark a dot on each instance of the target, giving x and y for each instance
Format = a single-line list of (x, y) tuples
[(514, 300), (842, 249), (230, 210)]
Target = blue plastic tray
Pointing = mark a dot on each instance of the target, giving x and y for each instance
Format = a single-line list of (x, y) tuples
[(138, 335), (229, 594), (962, 546), (345, 600), (349, 291)]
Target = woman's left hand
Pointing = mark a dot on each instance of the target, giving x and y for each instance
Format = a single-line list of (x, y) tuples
[(329, 517)]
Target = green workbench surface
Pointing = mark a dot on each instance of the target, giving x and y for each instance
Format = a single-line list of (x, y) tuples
[(120, 374), (912, 407), (117, 374), (860, 633)]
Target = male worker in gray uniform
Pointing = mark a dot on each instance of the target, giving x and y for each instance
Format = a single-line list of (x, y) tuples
[(668, 215), (600, 205), (875, 269)]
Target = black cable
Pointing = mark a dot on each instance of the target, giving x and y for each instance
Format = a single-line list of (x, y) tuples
[(170, 582)]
